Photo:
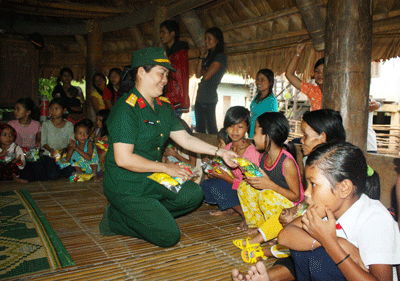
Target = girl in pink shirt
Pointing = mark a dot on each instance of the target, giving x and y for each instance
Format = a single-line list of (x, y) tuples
[(28, 130)]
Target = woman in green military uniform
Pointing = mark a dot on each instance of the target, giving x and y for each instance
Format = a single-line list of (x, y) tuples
[(139, 125)]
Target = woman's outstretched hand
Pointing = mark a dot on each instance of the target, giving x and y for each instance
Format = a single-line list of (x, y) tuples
[(227, 155)]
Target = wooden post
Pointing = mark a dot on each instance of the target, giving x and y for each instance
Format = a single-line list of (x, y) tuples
[(94, 60), (159, 16), (315, 24), (348, 65), (195, 27)]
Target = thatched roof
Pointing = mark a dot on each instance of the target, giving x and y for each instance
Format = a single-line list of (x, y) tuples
[(258, 33)]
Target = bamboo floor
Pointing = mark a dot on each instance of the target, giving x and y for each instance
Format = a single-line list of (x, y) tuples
[(74, 210)]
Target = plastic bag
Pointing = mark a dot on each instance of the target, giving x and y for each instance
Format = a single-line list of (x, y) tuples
[(217, 163), (78, 177), (61, 159), (172, 183), (250, 169), (31, 155)]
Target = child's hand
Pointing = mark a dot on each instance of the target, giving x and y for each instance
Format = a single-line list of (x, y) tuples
[(17, 160), (260, 182), (323, 231), (72, 144), (170, 151), (221, 174)]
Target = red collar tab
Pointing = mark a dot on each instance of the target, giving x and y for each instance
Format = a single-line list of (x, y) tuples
[(158, 101), (141, 103)]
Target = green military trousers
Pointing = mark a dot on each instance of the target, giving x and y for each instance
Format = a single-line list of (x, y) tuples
[(149, 214)]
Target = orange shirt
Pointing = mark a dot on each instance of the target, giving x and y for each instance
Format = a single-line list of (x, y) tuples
[(313, 93)]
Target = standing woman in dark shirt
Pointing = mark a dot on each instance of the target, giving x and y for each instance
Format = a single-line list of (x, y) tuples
[(211, 67), (72, 96)]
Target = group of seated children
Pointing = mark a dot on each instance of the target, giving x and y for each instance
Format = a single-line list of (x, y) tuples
[(31, 152)]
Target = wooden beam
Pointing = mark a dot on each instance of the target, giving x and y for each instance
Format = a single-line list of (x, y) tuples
[(347, 72), (315, 24), (66, 9), (195, 27)]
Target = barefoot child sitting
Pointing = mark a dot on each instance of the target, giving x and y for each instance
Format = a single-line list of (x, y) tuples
[(81, 152), (222, 188)]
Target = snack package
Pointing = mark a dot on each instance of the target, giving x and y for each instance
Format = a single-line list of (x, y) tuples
[(101, 145), (77, 177), (31, 155), (216, 163), (172, 183), (249, 169), (61, 159)]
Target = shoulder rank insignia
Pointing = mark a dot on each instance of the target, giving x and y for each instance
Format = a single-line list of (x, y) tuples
[(131, 100), (164, 99)]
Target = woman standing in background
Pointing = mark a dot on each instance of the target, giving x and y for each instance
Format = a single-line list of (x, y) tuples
[(211, 67)]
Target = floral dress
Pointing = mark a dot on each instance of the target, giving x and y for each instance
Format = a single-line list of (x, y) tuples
[(78, 161)]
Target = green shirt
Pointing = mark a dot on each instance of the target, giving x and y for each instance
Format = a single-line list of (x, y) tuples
[(133, 121)]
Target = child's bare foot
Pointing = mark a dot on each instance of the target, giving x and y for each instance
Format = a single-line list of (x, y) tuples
[(243, 226), (17, 179), (236, 275), (257, 272), (96, 178), (228, 212), (78, 169), (252, 231)]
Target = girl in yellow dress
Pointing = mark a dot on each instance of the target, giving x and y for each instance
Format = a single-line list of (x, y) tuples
[(263, 198)]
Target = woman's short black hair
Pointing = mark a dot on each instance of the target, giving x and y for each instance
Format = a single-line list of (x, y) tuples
[(235, 115), (340, 161), (326, 121)]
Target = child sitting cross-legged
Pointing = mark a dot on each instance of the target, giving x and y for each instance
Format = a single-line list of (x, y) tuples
[(82, 153)]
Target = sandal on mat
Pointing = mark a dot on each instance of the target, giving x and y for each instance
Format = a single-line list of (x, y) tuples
[(239, 243), (279, 251), (252, 254)]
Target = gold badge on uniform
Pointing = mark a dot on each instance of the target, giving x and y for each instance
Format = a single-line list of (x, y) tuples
[(164, 99), (131, 100)]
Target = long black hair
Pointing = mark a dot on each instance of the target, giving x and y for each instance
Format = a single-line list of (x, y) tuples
[(29, 104), (219, 48), (94, 85), (276, 126)]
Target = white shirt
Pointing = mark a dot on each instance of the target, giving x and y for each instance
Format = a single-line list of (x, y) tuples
[(368, 225)]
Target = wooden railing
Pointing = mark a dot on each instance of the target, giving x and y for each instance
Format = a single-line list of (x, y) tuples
[(387, 137)]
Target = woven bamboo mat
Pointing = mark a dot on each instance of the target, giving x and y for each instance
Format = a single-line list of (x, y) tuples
[(74, 210)]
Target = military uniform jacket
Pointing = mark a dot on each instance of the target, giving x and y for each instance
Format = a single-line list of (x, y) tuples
[(133, 121)]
